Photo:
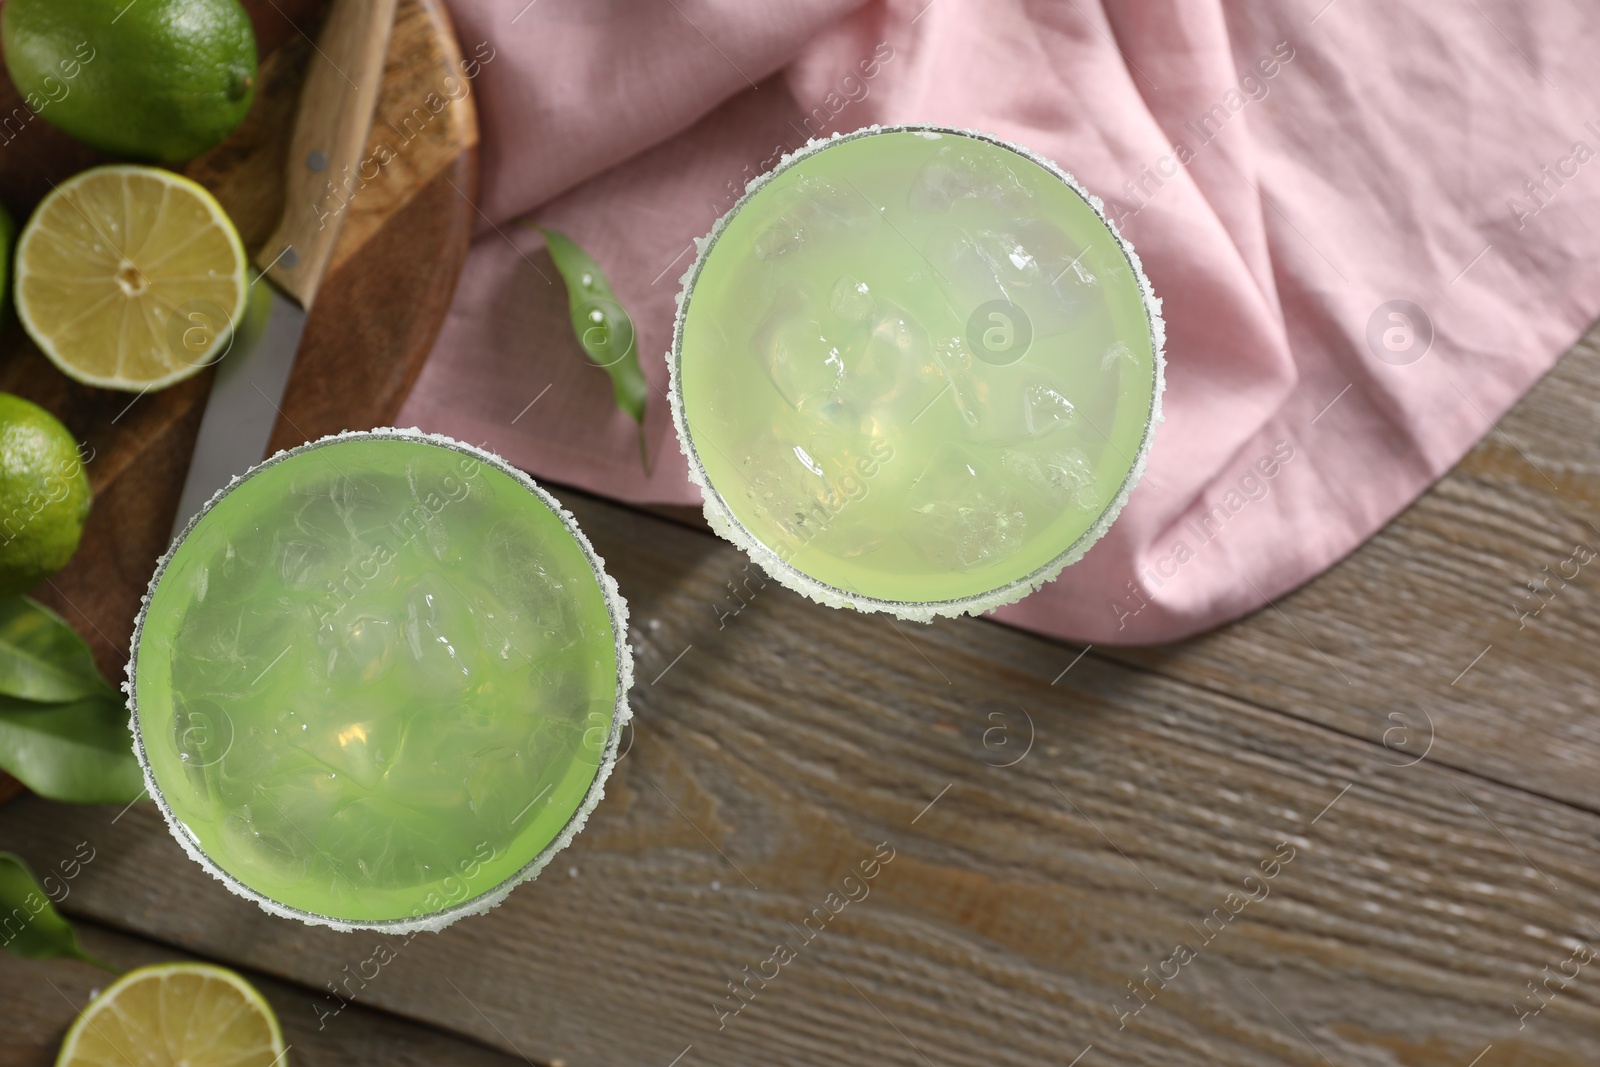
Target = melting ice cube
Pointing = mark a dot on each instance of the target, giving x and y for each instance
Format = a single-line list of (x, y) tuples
[(799, 357), (1004, 404), (812, 209), (964, 516), (787, 485), (1063, 478), (961, 172)]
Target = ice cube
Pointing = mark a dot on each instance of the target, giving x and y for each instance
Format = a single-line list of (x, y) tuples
[(437, 631), (526, 611), (892, 362), (811, 210), (335, 511), (787, 486), (967, 276), (357, 742), (850, 299), (267, 847), (1118, 357), (987, 264), (202, 734), (964, 516), (260, 755), (1063, 478), (228, 646), (430, 531), (457, 758), (238, 564), (960, 172), (835, 372), (305, 564), (361, 647), (1004, 404), (381, 841), (1030, 264), (1065, 289), (800, 358), (1044, 408)]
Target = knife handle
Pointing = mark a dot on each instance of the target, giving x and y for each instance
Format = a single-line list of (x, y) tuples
[(331, 126)]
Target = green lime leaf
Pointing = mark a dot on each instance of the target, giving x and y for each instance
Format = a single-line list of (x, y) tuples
[(603, 328), (80, 752), (30, 926), (42, 658)]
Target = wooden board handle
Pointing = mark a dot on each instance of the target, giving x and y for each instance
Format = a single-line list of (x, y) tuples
[(330, 132)]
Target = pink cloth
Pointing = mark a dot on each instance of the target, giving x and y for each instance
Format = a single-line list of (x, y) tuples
[(1283, 168)]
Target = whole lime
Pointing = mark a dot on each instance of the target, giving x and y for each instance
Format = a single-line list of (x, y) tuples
[(161, 80), (44, 495)]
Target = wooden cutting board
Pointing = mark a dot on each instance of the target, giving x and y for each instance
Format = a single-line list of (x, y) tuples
[(381, 303)]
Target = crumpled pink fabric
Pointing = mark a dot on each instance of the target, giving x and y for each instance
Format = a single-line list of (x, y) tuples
[(1286, 170)]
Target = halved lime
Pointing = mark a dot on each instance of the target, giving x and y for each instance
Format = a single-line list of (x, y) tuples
[(130, 277), (171, 1014)]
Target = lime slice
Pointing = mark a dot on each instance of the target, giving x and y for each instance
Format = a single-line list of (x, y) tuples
[(130, 277), (170, 1014)]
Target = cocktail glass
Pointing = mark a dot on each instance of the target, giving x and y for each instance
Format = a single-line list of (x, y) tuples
[(915, 370), (379, 681)]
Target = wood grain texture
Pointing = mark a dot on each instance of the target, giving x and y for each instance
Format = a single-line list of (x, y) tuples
[(1059, 825), (778, 748), (425, 126), (389, 286), (332, 120), (403, 241), (42, 999), (1396, 626), (260, 146)]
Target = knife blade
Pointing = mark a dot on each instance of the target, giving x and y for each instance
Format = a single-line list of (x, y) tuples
[(332, 121)]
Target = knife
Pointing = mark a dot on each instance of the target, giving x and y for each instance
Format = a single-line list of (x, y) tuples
[(332, 122)]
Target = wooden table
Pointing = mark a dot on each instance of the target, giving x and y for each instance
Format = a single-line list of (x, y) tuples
[(1368, 815)]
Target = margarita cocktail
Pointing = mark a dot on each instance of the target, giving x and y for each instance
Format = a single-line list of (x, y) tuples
[(379, 681), (915, 370)]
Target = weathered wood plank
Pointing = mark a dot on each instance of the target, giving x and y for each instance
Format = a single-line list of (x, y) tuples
[(43, 998), (780, 748), (1396, 626)]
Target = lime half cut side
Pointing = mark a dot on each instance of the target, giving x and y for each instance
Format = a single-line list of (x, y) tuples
[(915, 370), (130, 277), (379, 681), (193, 1014)]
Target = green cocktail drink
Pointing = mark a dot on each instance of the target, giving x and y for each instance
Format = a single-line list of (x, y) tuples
[(915, 370), (379, 681)]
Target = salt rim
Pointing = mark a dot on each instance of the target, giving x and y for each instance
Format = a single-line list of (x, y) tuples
[(616, 607), (721, 517)]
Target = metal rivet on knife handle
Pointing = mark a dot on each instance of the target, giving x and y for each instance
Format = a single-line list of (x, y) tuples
[(333, 121)]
